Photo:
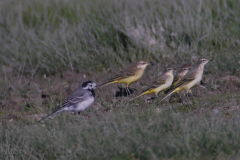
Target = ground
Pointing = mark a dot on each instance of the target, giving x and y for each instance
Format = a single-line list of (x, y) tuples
[(50, 92)]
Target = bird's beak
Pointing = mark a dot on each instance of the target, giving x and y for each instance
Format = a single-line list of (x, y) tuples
[(150, 63)]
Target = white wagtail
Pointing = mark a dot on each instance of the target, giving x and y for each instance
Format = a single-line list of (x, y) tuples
[(79, 100)]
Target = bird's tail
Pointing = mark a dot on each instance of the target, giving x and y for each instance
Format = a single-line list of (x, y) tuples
[(175, 90), (167, 90), (146, 92), (137, 97), (106, 83), (57, 111), (170, 88)]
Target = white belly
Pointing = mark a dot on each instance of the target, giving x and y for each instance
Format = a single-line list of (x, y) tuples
[(166, 85), (195, 81), (163, 87), (85, 104), (81, 106)]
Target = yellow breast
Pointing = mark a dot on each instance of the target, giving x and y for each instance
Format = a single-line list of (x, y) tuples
[(133, 78), (165, 85), (197, 79)]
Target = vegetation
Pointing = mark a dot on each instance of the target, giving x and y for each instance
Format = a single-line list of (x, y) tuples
[(44, 38)]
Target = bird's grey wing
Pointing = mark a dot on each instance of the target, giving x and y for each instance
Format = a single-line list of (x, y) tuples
[(161, 80), (176, 78), (130, 71), (186, 79), (77, 99), (153, 85), (117, 77), (73, 99)]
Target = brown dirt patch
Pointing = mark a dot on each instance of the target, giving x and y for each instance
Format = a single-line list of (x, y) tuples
[(44, 90)]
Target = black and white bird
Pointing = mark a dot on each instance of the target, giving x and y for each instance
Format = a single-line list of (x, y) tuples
[(79, 100)]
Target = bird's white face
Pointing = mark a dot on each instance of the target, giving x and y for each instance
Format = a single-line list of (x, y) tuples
[(169, 70), (203, 61), (185, 70), (142, 64), (89, 85)]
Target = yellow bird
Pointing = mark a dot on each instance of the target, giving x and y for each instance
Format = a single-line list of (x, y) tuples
[(163, 82), (192, 78), (129, 75), (179, 75)]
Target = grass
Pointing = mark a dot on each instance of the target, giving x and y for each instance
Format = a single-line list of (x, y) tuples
[(40, 40), (50, 36), (145, 133)]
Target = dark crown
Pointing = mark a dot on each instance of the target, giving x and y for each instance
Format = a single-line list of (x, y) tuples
[(85, 84)]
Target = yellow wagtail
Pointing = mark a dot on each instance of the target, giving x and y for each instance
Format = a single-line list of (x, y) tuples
[(179, 75), (163, 82), (128, 75), (192, 78)]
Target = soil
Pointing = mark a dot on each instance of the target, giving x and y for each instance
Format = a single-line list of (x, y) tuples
[(45, 90)]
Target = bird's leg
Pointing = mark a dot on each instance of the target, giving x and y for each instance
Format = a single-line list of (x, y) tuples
[(77, 113), (179, 98), (128, 91), (173, 109), (185, 98), (172, 98), (123, 88), (202, 86), (192, 98), (182, 102), (133, 89), (188, 96)]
